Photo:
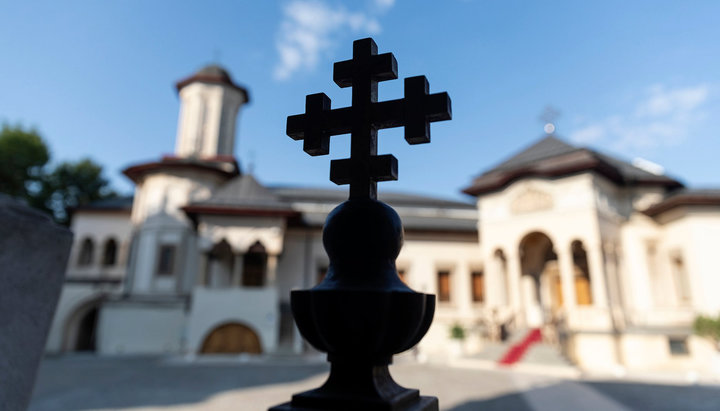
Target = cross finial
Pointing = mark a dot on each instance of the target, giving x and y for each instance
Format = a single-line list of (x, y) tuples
[(549, 116), (365, 117)]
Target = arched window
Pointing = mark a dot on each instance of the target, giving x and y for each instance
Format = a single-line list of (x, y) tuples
[(680, 278), (109, 253), (254, 266), (477, 285), (221, 262), (583, 293), (87, 249)]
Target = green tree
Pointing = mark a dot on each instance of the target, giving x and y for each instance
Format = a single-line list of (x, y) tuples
[(23, 154), (708, 327), (24, 174), (70, 185)]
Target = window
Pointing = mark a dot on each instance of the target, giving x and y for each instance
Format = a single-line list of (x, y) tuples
[(443, 285), (85, 257), (254, 266), (110, 253), (322, 272), (166, 260), (478, 286), (678, 346), (682, 285)]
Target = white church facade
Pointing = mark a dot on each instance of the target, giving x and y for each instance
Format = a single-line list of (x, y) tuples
[(611, 261)]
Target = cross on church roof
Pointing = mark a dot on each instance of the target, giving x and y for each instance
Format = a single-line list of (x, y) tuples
[(549, 116), (365, 117)]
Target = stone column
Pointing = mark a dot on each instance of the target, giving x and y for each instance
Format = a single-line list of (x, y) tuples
[(615, 299), (203, 277), (144, 269), (271, 272), (493, 286), (567, 274), (236, 280), (514, 298), (597, 275), (463, 285)]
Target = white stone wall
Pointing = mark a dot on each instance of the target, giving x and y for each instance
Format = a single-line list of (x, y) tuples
[(303, 255), (243, 232), (151, 327), (145, 278), (165, 193), (699, 250), (564, 210), (207, 120), (421, 257), (256, 308), (75, 300), (99, 227), (159, 220)]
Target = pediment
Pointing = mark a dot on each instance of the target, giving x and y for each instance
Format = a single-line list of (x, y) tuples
[(531, 199)]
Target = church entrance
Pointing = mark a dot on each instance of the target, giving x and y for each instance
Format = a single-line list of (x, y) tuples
[(81, 329), (540, 284), (231, 338)]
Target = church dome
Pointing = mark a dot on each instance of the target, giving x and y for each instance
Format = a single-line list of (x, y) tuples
[(212, 73), (214, 70)]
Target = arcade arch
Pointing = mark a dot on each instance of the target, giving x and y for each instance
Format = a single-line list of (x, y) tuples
[(81, 327), (87, 249), (581, 271), (255, 266), (540, 282), (110, 250), (220, 265)]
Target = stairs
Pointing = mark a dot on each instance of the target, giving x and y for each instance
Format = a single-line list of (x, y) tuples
[(518, 350), (525, 352)]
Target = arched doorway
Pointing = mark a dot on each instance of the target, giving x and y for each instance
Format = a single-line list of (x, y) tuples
[(81, 328), (540, 284), (233, 338), (87, 331)]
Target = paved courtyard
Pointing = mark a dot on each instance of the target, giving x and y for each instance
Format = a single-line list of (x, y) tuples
[(90, 383)]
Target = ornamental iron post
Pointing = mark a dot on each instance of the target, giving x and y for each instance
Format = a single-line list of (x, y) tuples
[(362, 314)]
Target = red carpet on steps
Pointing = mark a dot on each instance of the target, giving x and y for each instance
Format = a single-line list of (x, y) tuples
[(516, 352)]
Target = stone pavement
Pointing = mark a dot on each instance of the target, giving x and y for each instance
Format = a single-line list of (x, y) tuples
[(75, 383)]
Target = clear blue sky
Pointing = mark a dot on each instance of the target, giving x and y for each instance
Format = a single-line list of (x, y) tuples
[(635, 79)]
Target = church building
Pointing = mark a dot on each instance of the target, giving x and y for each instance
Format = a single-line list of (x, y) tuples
[(608, 260)]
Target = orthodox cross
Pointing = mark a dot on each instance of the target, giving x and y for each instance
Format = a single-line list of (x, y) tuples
[(365, 117)]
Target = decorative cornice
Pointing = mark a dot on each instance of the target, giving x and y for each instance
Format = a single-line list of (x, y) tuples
[(224, 166)]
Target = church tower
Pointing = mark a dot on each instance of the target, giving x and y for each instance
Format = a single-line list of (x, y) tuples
[(164, 257), (209, 106)]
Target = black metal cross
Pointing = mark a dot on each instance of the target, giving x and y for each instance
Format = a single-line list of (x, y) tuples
[(365, 117)]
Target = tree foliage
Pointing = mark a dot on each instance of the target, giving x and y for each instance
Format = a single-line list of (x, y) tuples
[(457, 332), (24, 174), (70, 185), (708, 327), (23, 154)]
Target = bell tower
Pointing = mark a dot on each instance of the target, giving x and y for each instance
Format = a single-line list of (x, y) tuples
[(209, 105)]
